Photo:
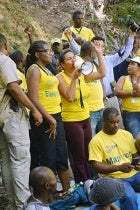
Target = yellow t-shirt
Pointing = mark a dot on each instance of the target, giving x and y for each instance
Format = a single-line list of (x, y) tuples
[(84, 32), (23, 84), (113, 150), (95, 99), (138, 53), (72, 111), (49, 95), (131, 104)]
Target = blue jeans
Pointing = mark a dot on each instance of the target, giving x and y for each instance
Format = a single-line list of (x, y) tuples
[(131, 122), (96, 121), (129, 200)]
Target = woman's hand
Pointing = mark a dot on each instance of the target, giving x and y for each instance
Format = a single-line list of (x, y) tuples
[(52, 129), (136, 90), (76, 74)]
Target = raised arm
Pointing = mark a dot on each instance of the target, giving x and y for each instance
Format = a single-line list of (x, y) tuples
[(73, 44), (29, 31), (127, 49), (101, 65)]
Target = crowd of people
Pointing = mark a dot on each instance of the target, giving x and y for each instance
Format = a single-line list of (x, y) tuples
[(66, 107)]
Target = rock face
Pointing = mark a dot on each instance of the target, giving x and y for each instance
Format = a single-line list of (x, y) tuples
[(55, 15)]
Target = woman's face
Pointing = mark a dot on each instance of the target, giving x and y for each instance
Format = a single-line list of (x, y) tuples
[(133, 68), (69, 60), (43, 55)]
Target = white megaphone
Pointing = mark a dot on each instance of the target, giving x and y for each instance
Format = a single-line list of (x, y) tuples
[(86, 67)]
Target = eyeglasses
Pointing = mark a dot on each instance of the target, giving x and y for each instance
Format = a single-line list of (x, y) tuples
[(43, 50)]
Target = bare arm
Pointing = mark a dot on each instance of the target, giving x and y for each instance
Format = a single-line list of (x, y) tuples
[(29, 31), (137, 142), (33, 77), (101, 69), (119, 92), (19, 95), (114, 207), (106, 168), (68, 92)]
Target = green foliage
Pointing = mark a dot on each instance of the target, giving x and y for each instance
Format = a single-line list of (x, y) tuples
[(123, 11)]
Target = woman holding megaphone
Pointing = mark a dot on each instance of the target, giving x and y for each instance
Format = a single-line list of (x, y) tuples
[(75, 110)]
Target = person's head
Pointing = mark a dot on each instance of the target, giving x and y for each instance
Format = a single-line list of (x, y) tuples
[(87, 51), (111, 120), (67, 59), (38, 52), (42, 180), (134, 66), (98, 38), (77, 18), (56, 45), (106, 190), (136, 43), (18, 58), (3, 44)]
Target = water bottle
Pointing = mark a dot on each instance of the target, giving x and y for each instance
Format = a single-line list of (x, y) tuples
[(74, 187)]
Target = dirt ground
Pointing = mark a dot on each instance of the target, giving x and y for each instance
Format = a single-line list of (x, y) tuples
[(3, 199)]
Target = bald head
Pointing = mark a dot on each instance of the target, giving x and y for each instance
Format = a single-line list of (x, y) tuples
[(40, 177)]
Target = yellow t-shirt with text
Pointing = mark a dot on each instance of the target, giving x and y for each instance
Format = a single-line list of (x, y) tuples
[(72, 111), (130, 104), (113, 150), (48, 94)]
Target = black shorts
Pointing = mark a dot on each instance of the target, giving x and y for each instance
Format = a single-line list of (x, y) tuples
[(47, 151)]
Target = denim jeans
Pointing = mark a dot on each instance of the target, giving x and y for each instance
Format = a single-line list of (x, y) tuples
[(131, 122), (129, 200), (96, 121)]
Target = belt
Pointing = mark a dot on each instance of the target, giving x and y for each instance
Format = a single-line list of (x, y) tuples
[(110, 95)]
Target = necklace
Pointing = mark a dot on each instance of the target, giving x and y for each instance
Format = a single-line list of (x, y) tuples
[(78, 31), (44, 69)]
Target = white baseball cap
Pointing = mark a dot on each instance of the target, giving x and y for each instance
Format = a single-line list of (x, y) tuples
[(135, 59)]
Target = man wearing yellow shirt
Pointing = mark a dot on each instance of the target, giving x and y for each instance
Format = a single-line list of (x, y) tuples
[(80, 32), (111, 152)]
